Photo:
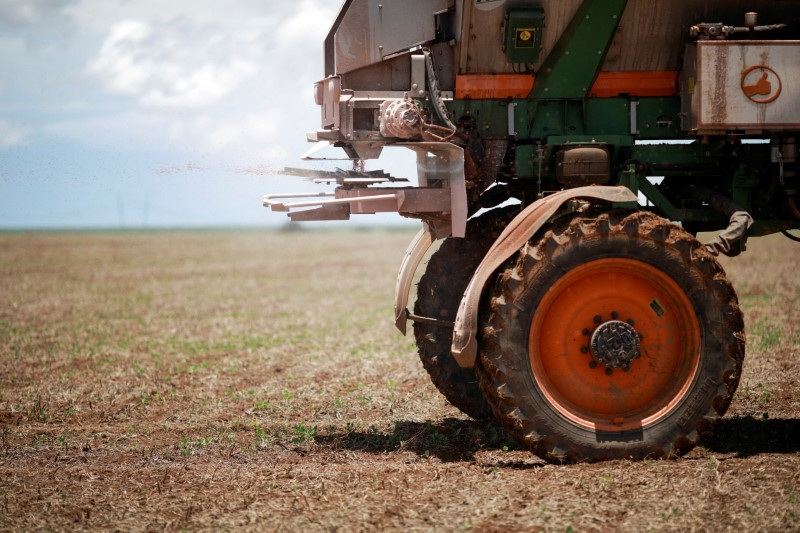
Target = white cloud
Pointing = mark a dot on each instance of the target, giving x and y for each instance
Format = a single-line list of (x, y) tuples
[(190, 79), (181, 56), (237, 85), (124, 68), (175, 65), (12, 135), (252, 133), (210, 139), (130, 130), (99, 15), (27, 12), (307, 27)]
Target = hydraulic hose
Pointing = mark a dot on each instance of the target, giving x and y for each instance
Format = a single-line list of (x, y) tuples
[(793, 207), (796, 212), (739, 221), (436, 95), (790, 236)]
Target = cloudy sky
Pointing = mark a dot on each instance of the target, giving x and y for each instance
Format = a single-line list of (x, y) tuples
[(154, 112)]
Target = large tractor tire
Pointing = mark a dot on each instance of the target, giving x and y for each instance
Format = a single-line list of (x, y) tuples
[(439, 293), (613, 335)]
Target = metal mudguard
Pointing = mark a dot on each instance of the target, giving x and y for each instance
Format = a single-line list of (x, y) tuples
[(414, 253), (514, 237)]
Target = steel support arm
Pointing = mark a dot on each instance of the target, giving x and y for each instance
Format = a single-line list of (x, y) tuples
[(573, 63)]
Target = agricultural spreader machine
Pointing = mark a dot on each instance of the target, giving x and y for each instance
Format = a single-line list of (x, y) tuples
[(568, 153)]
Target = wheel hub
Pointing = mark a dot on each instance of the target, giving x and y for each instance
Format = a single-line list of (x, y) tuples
[(615, 344)]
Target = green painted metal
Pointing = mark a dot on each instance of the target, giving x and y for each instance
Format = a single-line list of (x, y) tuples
[(529, 159), (524, 34), (669, 210), (743, 185), (659, 118), (573, 63), (489, 118), (682, 159), (591, 116), (629, 178), (607, 116), (615, 140)]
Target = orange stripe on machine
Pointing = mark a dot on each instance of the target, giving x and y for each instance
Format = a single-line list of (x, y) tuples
[(640, 83), (483, 86)]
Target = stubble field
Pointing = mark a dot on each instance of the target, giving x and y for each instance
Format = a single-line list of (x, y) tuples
[(248, 379)]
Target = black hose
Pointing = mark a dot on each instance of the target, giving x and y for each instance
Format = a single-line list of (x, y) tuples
[(793, 207), (436, 96), (730, 241), (791, 237)]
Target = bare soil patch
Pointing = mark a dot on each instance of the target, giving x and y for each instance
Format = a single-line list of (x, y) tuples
[(212, 380)]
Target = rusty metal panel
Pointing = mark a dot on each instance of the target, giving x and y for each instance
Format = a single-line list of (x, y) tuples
[(374, 29), (688, 89), (481, 50), (652, 33), (748, 85), (390, 75), (650, 36)]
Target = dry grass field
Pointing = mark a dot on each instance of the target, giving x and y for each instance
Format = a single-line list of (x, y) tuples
[(254, 380)]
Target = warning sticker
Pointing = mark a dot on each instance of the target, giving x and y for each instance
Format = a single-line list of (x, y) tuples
[(525, 37)]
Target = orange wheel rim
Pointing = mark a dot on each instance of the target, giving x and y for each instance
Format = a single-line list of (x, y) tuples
[(576, 376)]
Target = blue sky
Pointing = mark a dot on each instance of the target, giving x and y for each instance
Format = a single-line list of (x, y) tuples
[(126, 113)]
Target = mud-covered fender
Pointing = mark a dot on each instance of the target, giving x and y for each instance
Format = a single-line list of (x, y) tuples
[(414, 253), (517, 233)]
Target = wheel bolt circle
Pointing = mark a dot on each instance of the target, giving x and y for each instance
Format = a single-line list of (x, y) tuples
[(615, 344)]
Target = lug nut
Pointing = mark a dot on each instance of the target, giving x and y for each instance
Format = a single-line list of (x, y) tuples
[(598, 319), (584, 349), (586, 332), (630, 322), (614, 315), (609, 371)]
